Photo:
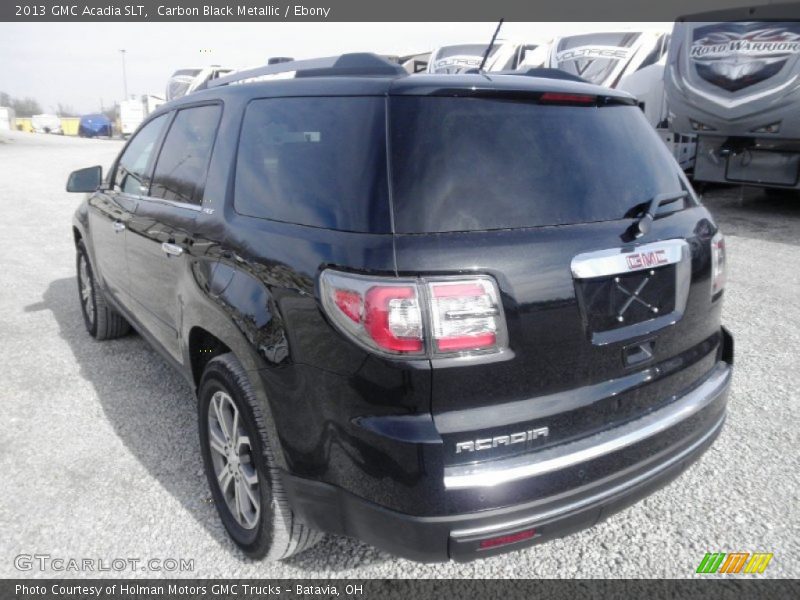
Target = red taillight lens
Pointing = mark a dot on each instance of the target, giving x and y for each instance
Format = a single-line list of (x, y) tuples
[(504, 540), (562, 98), (392, 318), (381, 313), (717, 263), (462, 316)]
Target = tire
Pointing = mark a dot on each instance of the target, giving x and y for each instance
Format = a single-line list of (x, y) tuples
[(270, 530), (102, 322)]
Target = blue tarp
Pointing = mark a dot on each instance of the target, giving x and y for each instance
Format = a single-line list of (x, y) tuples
[(93, 125)]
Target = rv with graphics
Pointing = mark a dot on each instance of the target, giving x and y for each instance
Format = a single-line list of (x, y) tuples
[(737, 86), (186, 81), (504, 56), (632, 61)]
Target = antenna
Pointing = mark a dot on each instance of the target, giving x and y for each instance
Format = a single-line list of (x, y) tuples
[(491, 44)]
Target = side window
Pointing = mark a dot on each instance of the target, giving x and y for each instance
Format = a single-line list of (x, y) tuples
[(182, 165), (319, 162), (131, 174)]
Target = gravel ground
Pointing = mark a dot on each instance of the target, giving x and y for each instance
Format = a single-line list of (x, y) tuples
[(100, 452)]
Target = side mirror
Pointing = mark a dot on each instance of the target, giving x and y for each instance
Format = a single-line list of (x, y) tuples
[(85, 180)]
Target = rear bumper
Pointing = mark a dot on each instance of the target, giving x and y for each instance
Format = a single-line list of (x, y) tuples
[(698, 417)]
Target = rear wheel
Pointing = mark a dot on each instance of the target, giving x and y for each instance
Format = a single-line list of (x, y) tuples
[(102, 322), (240, 466)]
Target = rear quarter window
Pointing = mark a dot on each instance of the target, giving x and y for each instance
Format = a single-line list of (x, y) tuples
[(319, 162)]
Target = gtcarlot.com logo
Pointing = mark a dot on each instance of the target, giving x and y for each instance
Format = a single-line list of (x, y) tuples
[(734, 562), (47, 562)]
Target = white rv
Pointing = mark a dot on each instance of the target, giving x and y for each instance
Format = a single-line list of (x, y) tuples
[(46, 124), (633, 61), (186, 81), (736, 84), (7, 119), (132, 112), (504, 55)]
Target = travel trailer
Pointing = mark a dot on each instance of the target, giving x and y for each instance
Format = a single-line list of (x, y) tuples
[(7, 118), (132, 112), (504, 56), (415, 63), (632, 61), (736, 85), (46, 124), (186, 81)]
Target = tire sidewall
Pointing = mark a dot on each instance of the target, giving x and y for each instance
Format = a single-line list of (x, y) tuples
[(255, 542), (82, 254)]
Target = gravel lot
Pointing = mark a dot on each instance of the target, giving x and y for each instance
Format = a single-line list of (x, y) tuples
[(100, 455)]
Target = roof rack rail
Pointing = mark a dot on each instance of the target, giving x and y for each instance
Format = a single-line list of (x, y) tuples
[(354, 64)]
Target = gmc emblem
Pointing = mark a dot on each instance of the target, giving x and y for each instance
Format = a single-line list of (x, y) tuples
[(645, 260)]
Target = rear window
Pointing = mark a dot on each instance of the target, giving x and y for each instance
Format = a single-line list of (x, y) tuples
[(468, 164), (315, 161)]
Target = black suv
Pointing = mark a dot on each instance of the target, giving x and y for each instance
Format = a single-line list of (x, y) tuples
[(450, 316)]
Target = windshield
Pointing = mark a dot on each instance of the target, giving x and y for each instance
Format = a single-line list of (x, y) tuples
[(469, 164)]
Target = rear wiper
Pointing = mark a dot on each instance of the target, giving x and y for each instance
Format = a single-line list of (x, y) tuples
[(642, 226)]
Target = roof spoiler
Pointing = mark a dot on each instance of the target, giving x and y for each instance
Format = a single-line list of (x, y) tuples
[(545, 73), (354, 64)]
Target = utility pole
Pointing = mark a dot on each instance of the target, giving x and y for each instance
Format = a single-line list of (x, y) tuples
[(124, 75)]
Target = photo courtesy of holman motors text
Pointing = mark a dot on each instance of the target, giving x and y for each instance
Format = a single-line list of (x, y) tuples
[(400, 300)]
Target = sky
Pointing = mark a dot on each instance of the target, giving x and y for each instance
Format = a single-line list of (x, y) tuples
[(80, 64)]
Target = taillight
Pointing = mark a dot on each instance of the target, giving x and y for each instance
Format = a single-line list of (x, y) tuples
[(416, 317), (464, 315), (392, 318), (565, 98), (382, 314), (717, 263)]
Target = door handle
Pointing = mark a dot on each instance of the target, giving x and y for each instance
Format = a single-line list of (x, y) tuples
[(119, 226), (171, 249)]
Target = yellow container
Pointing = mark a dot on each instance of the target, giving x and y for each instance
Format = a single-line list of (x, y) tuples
[(24, 124), (69, 125)]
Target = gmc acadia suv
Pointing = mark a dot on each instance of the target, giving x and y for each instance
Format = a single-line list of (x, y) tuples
[(450, 316)]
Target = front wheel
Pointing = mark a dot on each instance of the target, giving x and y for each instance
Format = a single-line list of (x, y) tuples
[(240, 466), (102, 322)]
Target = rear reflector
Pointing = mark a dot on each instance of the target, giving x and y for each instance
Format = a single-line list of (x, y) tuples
[(562, 98), (717, 263), (504, 540)]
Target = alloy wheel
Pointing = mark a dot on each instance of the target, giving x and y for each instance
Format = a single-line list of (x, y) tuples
[(232, 457)]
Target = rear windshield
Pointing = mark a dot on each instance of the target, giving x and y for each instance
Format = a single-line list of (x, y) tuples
[(468, 164)]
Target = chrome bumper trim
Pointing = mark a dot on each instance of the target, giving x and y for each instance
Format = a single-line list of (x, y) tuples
[(533, 464), (536, 518)]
